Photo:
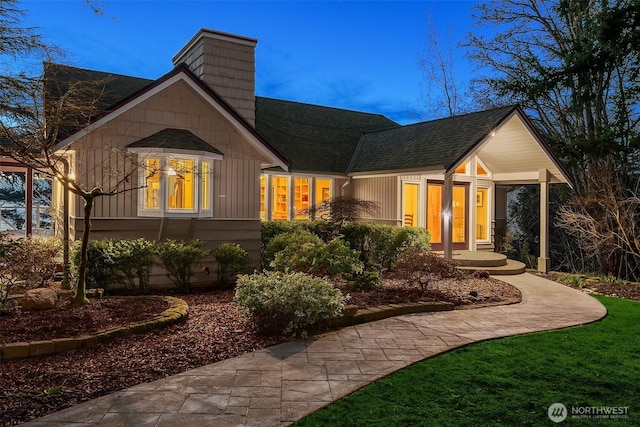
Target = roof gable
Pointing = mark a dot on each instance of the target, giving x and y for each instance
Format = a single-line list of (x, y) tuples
[(180, 73), (437, 144), (315, 138)]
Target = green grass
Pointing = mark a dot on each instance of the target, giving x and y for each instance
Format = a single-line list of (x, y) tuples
[(510, 381)]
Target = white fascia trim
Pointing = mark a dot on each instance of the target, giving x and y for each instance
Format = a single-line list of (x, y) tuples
[(436, 170), (302, 175), (180, 76), (175, 151)]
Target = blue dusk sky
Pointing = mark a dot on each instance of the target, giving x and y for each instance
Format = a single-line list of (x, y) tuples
[(360, 55)]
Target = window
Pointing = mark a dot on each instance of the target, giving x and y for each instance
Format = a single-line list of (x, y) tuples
[(280, 208), (482, 213), (434, 212), (152, 183), (205, 187), (462, 169), (301, 198), (323, 190), (411, 191), (263, 197), (176, 184), (481, 171), (181, 184)]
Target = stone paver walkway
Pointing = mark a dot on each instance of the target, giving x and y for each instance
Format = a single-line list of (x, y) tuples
[(281, 384)]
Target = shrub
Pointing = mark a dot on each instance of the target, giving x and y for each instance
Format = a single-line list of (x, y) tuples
[(383, 243), (111, 262), (571, 279), (133, 259), (279, 242), (44, 255), (101, 260), (178, 259), (231, 258), (366, 280), (318, 258), (418, 267), (481, 274), (288, 302)]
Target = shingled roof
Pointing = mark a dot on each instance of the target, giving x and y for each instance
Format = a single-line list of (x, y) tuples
[(111, 89), (175, 139), (432, 144), (315, 138)]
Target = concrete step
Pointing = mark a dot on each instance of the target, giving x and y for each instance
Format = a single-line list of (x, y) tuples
[(479, 259), (511, 268)]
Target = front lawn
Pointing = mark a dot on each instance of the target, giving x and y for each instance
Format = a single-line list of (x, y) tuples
[(511, 381)]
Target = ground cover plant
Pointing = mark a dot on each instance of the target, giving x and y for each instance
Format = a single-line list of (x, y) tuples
[(510, 381)]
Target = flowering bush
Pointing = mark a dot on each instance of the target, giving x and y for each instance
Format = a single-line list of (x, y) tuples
[(288, 302)]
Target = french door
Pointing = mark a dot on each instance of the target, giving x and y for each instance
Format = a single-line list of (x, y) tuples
[(460, 214)]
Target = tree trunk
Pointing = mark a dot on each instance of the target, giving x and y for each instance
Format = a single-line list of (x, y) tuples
[(81, 297)]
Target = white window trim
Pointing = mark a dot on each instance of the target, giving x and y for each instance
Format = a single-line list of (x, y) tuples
[(489, 203), (163, 196), (416, 221), (291, 191)]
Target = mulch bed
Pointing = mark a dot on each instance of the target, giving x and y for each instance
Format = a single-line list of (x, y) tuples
[(68, 320), (215, 330)]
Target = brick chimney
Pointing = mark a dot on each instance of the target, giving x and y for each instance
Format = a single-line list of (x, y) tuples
[(226, 62)]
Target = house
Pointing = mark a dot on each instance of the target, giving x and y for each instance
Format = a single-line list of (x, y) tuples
[(214, 160)]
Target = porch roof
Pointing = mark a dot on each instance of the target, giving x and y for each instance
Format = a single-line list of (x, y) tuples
[(437, 143)]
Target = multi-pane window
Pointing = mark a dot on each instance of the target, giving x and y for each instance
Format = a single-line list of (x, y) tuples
[(291, 197), (175, 184), (181, 184), (152, 184)]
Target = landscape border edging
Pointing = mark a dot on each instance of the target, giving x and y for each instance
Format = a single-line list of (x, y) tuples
[(178, 311)]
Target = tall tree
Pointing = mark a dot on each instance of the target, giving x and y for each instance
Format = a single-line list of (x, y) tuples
[(35, 114), (573, 65), (444, 91)]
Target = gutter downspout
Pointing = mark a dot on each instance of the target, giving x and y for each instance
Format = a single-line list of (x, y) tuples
[(342, 189)]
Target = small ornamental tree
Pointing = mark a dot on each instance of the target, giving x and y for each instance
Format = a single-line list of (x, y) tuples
[(420, 268)]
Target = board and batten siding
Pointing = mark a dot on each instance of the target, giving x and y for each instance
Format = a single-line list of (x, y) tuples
[(236, 189), (383, 191)]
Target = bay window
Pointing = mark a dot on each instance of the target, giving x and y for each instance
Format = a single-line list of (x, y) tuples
[(175, 184)]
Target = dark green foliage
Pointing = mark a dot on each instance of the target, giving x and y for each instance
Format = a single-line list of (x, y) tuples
[(111, 262), (297, 236), (101, 260), (381, 243), (231, 258), (366, 280), (317, 257), (178, 259), (272, 229)]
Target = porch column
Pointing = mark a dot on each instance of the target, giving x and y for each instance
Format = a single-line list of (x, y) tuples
[(28, 201), (447, 216), (544, 263)]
